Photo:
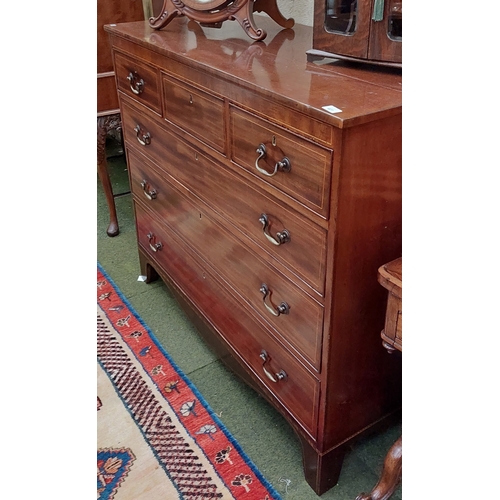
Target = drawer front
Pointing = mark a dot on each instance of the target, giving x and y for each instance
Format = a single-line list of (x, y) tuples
[(294, 316), (298, 391), (138, 80), (304, 169), (142, 131), (195, 111), (287, 237)]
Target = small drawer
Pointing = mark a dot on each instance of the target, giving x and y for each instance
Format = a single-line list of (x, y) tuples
[(146, 182), (138, 80), (273, 298), (286, 379), (285, 161), (141, 130), (195, 111)]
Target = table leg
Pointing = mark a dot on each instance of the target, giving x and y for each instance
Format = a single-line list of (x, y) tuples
[(391, 474), (104, 124)]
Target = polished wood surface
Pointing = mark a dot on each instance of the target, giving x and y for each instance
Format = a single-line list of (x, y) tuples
[(284, 75), (215, 12), (391, 473), (368, 42), (111, 11), (301, 258), (105, 124), (108, 118), (289, 299), (383, 48), (390, 276)]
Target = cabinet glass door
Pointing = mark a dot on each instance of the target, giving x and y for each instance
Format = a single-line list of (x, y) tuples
[(340, 16), (395, 20), (386, 33), (343, 27)]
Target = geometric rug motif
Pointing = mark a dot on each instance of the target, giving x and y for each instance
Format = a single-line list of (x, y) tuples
[(190, 444), (112, 467)]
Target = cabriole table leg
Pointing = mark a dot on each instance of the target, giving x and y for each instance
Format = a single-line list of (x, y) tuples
[(104, 125), (391, 474)]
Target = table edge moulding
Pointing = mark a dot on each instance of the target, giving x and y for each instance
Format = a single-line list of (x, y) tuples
[(266, 189)]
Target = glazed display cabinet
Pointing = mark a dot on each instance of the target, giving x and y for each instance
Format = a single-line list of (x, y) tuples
[(362, 30)]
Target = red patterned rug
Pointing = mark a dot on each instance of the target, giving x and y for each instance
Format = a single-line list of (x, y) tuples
[(156, 436)]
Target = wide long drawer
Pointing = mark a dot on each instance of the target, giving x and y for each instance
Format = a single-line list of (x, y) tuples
[(295, 316), (267, 359), (284, 235)]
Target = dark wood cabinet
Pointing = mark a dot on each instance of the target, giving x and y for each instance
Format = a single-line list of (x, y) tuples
[(111, 11), (108, 116), (267, 190), (366, 30)]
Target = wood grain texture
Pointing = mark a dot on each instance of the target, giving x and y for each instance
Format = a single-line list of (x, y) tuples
[(235, 323), (282, 75), (368, 42), (390, 276), (355, 44), (242, 205), (112, 11), (341, 202), (144, 75)]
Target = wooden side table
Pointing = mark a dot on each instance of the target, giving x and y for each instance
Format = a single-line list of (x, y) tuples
[(105, 124), (108, 110), (390, 276)]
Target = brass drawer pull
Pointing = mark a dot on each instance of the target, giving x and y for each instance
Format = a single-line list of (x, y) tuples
[(136, 85), (152, 243), (283, 308), (281, 375), (145, 140), (284, 165), (281, 236), (150, 194)]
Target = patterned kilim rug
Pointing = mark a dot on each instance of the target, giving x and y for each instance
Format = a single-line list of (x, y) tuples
[(157, 439)]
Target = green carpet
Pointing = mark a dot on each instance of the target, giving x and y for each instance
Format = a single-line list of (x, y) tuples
[(261, 431)]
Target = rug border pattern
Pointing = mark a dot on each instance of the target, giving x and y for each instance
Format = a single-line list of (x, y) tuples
[(132, 316)]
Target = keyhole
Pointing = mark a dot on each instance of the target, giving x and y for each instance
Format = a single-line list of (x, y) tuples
[(190, 99), (274, 140)]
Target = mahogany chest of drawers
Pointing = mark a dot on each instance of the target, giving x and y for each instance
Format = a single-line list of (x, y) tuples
[(267, 214)]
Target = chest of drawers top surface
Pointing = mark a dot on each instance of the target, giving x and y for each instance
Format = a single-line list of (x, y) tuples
[(276, 67)]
